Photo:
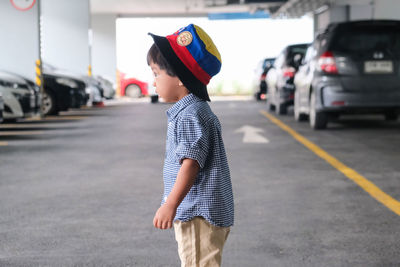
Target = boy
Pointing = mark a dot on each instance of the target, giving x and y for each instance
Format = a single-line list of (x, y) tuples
[(198, 199)]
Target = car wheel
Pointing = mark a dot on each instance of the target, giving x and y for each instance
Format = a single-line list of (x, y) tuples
[(318, 119), (270, 106), (280, 108), (133, 90), (391, 116), (49, 104), (154, 99), (298, 116)]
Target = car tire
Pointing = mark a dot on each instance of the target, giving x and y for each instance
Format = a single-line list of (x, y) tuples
[(391, 116), (49, 105), (318, 119), (133, 91), (280, 108), (154, 98), (270, 106), (298, 116)]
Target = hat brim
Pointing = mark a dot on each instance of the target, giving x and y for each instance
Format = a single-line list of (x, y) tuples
[(184, 74)]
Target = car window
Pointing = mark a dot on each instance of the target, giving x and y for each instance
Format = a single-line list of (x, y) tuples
[(268, 63), (295, 52), (367, 38)]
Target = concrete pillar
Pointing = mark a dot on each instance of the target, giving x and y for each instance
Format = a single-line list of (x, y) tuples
[(386, 9), (104, 59), (361, 12), (65, 34), (333, 14), (19, 33)]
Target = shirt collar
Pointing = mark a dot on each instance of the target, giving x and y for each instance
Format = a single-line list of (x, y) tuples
[(187, 100)]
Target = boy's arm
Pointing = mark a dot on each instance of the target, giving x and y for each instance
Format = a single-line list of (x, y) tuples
[(184, 181)]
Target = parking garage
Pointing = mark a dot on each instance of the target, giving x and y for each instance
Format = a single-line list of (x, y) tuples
[(313, 153)]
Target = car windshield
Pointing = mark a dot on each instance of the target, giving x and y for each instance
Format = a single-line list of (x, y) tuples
[(295, 53), (368, 38), (268, 63)]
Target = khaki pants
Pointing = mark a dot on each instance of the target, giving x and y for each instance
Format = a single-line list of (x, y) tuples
[(200, 243)]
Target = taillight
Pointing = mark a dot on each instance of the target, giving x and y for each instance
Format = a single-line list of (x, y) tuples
[(338, 103), (288, 72), (327, 63), (262, 77)]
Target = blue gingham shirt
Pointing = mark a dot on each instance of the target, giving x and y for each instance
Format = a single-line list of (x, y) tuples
[(195, 132)]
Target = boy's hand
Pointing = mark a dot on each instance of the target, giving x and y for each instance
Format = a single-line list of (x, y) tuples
[(164, 216)]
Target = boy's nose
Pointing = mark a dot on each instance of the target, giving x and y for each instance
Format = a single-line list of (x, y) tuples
[(154, 83)]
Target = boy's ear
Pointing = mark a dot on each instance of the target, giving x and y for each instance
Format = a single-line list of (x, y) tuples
[(180, 83)]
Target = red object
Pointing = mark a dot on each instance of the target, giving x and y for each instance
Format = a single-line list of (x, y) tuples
[(288, 72), (24, 6), (263, 76), (99, 104), (338, 103), (327, 63), (190, 62), (125, 81)]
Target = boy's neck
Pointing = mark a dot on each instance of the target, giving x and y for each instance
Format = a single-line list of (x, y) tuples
[(184, 93)]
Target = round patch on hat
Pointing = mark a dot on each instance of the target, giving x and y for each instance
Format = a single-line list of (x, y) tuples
[(184, 38)]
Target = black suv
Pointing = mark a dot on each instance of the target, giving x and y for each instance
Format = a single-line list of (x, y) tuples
[(351, 67), (280, 78)]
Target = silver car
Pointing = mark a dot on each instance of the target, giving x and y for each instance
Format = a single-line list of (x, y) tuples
[(350, 68), (18, 95)]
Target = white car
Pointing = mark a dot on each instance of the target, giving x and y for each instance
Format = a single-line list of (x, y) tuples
[(18, 96), (1, 107), (107, 85)]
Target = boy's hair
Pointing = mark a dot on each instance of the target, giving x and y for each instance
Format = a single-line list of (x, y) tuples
[(154, 56)]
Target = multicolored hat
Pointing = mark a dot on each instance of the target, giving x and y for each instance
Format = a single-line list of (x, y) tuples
[(193, 56)]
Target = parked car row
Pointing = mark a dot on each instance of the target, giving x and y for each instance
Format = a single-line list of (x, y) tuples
[(21, 97), (350, 68)]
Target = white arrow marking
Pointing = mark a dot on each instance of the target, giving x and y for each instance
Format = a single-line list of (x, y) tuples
[(251, 134)]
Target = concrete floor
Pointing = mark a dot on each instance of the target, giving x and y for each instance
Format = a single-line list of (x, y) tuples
[(81, 190)]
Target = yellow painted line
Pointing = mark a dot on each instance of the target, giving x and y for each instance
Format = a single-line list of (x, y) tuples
[(364, 183), (16, 133), (3, 144)]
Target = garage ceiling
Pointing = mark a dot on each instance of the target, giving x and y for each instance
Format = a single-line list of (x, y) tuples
[(140, 8)]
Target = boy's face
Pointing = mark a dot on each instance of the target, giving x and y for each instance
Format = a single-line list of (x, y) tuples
[(167, 87)]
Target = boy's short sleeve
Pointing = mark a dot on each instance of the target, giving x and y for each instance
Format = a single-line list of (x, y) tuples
[(192, 141)]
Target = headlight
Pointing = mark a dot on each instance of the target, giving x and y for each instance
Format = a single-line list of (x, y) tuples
[(9, 84), (67, 82)]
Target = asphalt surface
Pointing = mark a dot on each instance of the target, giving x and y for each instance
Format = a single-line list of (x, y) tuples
[(81, 189)]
